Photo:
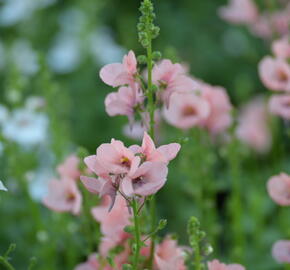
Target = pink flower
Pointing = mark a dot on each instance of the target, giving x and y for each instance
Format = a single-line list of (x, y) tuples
[(119, 74), (220, 117), (253, 128), (187, 110), (123, 102), (63, 196), (112, 223), (262, 27), (149, 152), (168, 256), (280, 105), (275, 74), (111, 158), (146, 180), (91, 264), (279, 189), (281, 251), (96, 262), (134, 131), (69, 169), (171, 78), (216, 265), (281, 48), (239, 11)]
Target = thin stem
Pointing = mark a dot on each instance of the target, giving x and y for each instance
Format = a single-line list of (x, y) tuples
[(151, 105), (151, 110), (137, 235), (197, 258), (6, 264)]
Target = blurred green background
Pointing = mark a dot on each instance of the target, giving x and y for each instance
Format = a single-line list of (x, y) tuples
[(55, 49)]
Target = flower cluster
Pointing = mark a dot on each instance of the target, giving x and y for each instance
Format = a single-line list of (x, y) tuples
[(275, 74), (188, 102), (253, 126), (168, 254), (263, 24), (132, 171), (63, 194), (279, 190)]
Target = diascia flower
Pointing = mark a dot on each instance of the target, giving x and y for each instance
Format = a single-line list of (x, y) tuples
[(280, 105), (124, 101), (219, 118), (119, 74), (112, 223), (279, 189), (281, 48), (171, 78), (240, 12), (281, 251), (169, 256), (275, 74), (187, 110), (216, 265), (253, 127), (134, 171), (63, 196), (69, 168)]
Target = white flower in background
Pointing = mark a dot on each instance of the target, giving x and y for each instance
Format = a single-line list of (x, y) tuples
[(14, 11), (73, 21), (38, 182), (104, 48), (24, 57), (34, 103), (65, 55), (25, 127), (3, 114), (2, 187)]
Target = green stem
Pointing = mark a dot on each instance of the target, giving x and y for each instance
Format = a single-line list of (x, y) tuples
[(151, 110), (235, 202), (197, 258), (6, 264), (151, 107), (137, 235), (153, 222)]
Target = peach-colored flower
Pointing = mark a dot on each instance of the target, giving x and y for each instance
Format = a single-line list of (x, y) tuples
[(63, 196), (111, 158), (146, 179), (112, 223), (169, 256), (281, 48), (91, 264), (280, 105), (70, 169), (216, 265), (118, 74), (149, 152), (219, 118), (239, 12), (262, 27), (281, 251), (275, 74), (171, 78), (187, 110), (278, 188), (123, 102), (253, 127)]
